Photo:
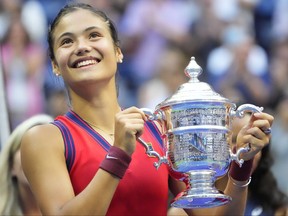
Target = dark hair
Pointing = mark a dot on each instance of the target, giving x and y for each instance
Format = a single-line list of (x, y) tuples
[(264, 186), (16, 20), (73, 7)]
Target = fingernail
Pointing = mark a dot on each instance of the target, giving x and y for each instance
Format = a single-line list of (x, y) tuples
[(257, 114)]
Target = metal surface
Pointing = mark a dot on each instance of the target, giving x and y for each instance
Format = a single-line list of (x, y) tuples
[(196, 123)]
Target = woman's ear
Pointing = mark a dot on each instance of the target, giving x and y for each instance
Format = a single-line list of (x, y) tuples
[(119, 55), (55, 69)]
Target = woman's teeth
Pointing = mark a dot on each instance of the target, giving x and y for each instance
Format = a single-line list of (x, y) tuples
[(85, 63)]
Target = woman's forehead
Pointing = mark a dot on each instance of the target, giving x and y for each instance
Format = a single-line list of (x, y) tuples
[(79, 18)]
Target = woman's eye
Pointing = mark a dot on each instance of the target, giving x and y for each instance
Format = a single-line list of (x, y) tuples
[(94, 35), (66, 41)]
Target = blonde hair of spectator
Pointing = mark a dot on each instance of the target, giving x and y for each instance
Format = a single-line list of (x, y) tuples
[(9, 195)]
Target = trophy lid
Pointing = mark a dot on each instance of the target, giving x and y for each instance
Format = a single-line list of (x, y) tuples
[(193, 90)]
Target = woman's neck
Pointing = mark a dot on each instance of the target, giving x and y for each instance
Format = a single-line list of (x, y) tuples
[(99, 112), (97, 105)]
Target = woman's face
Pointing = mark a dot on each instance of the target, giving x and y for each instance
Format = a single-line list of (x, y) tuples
[(84, 49)]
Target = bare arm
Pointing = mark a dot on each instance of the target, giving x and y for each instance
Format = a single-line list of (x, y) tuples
[(44, 165)]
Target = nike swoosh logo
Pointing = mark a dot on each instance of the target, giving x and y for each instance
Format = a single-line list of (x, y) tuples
[(111, 157)]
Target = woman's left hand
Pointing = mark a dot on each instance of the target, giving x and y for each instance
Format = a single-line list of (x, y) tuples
[(254, 134)]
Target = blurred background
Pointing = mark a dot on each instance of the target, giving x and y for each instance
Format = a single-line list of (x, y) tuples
[(242, 46)]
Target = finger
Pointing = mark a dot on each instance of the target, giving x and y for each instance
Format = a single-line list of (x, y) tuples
[(135, 129), (255, 144), (130, 118), (130, 122), (264, 125), (255, 136), (135, 110), (259, 138), (263, 130), (265, 116), (263, 121)]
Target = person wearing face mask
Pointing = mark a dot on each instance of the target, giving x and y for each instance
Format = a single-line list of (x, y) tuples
[(16, 197), (89, 161)]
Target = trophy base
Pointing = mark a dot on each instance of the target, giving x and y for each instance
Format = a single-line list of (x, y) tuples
[(190, 201)]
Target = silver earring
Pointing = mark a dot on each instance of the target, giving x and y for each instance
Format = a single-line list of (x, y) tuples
[(120, 60)]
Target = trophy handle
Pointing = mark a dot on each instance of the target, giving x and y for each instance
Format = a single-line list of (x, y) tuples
[(153, 153), (240, 114), (151, 117), (236, 156), (245, 108)]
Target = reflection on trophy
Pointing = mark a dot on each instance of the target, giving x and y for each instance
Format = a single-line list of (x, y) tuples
[(196, 123)]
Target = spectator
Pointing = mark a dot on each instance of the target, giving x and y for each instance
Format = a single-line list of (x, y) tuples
[(23, 65), (168, 77), (279, 71), (16, 197), (8, 10), (240, 68), (144, 38)]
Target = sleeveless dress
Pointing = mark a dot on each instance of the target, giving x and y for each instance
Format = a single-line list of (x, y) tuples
[(142, 191)]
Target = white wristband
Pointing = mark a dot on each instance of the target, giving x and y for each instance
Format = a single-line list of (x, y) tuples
[(241, 186)]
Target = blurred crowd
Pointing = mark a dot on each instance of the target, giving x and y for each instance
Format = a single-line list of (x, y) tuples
[(241, 45)]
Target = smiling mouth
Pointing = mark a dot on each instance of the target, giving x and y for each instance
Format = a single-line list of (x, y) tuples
[(86, 63)]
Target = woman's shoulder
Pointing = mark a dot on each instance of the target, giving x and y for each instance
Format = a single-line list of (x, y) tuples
[(42, 136), (43, 130)]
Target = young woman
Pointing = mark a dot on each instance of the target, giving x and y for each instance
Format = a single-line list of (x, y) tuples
[(89, 162), (16, 197)]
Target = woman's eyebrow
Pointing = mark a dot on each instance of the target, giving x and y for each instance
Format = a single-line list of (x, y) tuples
[(91, 28), (71, 34)]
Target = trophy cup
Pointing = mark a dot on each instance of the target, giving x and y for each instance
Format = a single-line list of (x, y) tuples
[(196, 123)]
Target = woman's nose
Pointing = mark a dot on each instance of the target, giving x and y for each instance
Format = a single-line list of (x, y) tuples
[(82, 47)]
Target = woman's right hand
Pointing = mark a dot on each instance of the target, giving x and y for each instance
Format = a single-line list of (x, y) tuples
[(129, 124)]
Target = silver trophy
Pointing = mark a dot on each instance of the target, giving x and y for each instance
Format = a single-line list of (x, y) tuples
[(195, 124)]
